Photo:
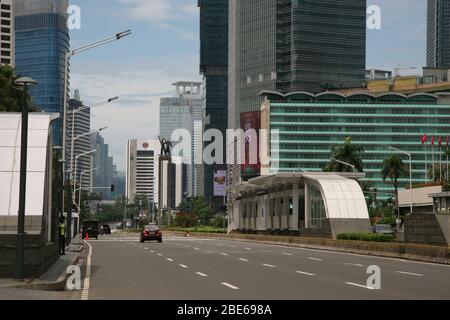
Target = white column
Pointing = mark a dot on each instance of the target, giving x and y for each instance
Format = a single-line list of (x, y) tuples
[(296, 206), (307, 205)]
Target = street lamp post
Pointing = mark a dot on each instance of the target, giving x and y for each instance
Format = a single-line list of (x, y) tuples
[(69, 213), (345, 164), (73, 173), (410, 185), (67, 56), (74, 112), (81, 188), (20, 254)]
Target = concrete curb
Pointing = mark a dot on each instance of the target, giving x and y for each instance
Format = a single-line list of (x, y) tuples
[(388, 250), (58, 285)]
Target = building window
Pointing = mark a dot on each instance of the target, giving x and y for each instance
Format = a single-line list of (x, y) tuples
[(261, 78), (273, 76), (318, 213), (249, 80)]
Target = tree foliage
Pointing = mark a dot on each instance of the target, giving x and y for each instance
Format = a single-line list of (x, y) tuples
[(347, 152), (12, 97)]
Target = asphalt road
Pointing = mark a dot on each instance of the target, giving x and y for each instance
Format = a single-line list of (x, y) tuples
[(199, 269)]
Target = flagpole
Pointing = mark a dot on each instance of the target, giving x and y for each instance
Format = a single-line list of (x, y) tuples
[(432, 160), (426, 164), (440, 163)]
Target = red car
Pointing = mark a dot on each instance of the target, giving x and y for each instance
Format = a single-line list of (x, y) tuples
[(151, 232)]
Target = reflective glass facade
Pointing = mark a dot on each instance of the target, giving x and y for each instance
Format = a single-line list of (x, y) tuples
[(438, 44), (41, 41), (311, 125), (214, 68)]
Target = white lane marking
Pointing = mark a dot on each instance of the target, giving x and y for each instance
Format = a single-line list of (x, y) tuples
[(85, 292), (146, 248), (230, 286), (359, 285), (354, 264), (168, 259), (248, 248), (242, 259), (196, 249), (209, 251), (201, 274), (268, 265), (224, 254), (287, 254), (152, 251), (183, 266), (410, 273), (160, 254), (315, 259), (305, 273)]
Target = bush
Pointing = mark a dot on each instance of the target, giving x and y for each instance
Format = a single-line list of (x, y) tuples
[(186, 220), (373, 237)]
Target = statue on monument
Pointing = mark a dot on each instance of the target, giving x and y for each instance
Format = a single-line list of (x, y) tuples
[(166, 147)]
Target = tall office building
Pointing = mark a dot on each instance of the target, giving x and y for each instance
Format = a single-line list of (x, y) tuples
[(82, 126), (214, 69), (142, 170), (104, 176), (438, 34), (7, 32), (288, 46), (185, 111), (42, 38)]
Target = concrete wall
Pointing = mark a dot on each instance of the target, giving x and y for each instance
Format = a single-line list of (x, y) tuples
[(39, 255), (426, 229)]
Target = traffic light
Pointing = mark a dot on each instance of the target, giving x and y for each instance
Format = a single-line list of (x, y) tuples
[(113, 187)]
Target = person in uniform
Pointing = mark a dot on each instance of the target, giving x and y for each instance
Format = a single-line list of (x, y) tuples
[(62, 236)]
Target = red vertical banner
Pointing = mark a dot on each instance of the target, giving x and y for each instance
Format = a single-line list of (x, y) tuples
[(250, 120)]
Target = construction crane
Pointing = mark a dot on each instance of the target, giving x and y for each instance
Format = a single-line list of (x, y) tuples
[(398, 70)]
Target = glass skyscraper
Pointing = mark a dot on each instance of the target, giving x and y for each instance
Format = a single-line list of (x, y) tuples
[(287, 45), (438, 34), (42, 38), (214, 68), (311, 125)]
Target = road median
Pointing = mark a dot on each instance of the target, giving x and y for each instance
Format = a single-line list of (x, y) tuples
[(416, 252)]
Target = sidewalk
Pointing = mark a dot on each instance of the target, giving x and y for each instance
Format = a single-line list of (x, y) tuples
[(55, 277)]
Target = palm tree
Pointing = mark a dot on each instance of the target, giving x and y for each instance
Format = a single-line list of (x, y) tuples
[(10, 96), (394, 169), (347, 152)]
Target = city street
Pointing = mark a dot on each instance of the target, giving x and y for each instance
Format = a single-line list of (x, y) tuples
[(191, 268)]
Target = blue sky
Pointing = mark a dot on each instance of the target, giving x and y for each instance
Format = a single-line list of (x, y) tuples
[(164, 48)]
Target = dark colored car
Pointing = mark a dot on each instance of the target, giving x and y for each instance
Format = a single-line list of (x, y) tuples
[(105, 229), (91, 228), (151, 232), (383, 229)]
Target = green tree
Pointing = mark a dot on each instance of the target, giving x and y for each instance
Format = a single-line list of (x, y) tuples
[(11, 97), (347, 152), (394, 169)]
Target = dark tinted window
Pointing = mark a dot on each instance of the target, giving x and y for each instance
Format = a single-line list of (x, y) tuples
[(152, 227)]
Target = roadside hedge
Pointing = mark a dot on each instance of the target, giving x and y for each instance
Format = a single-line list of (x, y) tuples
[(373, 237)]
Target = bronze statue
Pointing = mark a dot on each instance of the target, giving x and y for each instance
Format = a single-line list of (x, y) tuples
[(166, 147)]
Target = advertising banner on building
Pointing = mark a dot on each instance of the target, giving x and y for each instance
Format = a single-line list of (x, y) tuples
[(220, 181), (250, 120)]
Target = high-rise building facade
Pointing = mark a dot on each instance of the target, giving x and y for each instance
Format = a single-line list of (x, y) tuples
[(81, 144), (438, 34), (41, 40), (214, 69), (310, 125), (288, 46), (7, 42), (142, 170), (104, 176), (185, 111)]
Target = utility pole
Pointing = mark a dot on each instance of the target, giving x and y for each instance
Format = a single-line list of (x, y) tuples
[(20, 250)]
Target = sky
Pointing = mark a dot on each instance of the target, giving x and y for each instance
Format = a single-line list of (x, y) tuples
[(164, 49)]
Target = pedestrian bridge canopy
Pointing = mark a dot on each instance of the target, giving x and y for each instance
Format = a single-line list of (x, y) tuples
[(304, 204)]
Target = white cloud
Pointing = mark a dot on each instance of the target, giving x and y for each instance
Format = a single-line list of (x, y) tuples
[(160, 13), (140, 85)]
